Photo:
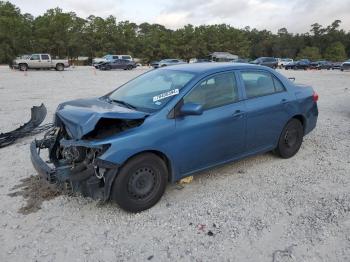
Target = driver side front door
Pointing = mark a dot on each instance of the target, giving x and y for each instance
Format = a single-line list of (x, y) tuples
[(218, 134)]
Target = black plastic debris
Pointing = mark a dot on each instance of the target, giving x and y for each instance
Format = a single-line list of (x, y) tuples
[(32, 127)]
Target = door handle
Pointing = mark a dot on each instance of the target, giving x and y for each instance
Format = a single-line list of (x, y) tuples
[(284, 101), (238, 114)]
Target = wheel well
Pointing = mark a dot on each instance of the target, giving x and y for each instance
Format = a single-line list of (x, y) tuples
[(301, 119), (59, 64), (161, 156)]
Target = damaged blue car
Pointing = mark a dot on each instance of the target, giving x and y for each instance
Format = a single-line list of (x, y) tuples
[(171, 123)]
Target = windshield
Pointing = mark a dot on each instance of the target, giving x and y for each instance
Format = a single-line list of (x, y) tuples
[(151, 91)]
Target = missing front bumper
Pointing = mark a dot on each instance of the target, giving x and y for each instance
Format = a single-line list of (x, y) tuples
[(80, 178)]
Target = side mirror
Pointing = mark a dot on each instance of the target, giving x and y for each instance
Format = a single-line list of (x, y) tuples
[(191, 109)]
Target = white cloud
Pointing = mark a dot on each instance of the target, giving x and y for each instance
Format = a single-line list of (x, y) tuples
[(295, 15), (173, 20)]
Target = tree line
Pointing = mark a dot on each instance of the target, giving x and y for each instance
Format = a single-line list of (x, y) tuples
[(64, 34)]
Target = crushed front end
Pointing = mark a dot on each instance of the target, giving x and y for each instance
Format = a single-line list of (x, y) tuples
[(74, 164), (75, 147)]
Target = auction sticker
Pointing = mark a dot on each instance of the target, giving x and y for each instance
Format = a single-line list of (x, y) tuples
[(165, 95)]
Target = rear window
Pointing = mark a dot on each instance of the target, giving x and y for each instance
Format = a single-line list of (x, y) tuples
[(45, 57), (258, 83)]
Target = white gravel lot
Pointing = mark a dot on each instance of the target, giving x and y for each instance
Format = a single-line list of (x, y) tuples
[(260, 209)]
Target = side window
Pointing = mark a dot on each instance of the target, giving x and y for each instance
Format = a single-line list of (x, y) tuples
[(115, 57), (278, 85), (215, 91), (45, 57), (35, 57), (259, 83)]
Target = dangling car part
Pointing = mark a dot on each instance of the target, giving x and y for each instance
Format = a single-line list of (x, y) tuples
[(32, 127)]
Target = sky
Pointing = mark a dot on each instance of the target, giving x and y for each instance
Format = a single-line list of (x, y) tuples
[(295, 15)]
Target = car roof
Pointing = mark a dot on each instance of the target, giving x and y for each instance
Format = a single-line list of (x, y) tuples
[(200, 68)]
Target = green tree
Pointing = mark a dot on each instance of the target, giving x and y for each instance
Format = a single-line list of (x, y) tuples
[(310, 52), (65, 34), (335, 52), (15, 32)]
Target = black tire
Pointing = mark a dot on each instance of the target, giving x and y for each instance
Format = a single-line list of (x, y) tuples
[(130, 67), (291, 139), (23, 67), (59, 67), (140, 183)]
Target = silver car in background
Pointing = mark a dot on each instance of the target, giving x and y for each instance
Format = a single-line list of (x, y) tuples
[(168, 62)]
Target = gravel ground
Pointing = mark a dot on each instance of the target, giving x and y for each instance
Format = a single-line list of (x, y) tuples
[(260, 209)]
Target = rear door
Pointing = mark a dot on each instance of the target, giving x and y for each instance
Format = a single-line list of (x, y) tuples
[(117, 64), (217, 135), (45, 61), (267, 108)]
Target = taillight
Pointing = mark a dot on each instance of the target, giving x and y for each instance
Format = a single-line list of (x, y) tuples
[(315, 96)]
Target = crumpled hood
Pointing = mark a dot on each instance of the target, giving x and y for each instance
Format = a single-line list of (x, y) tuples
[(81, 116)]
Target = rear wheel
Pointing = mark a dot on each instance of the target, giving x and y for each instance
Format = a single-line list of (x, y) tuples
[(291, 139), (130, 67), (140, 183), (59, 67)]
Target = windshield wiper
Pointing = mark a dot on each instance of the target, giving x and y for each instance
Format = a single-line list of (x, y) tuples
[(122, 103)]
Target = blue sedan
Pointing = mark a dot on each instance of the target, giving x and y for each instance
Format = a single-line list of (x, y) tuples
[(171, 123)]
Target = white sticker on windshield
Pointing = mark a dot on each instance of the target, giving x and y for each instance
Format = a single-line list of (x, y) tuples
[(165, 95)]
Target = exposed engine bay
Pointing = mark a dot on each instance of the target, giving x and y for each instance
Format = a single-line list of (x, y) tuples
[(74, 163)]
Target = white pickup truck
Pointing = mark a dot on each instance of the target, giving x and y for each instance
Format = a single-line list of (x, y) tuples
[(39, 61)]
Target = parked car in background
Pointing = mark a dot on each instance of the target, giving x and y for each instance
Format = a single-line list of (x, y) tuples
[(167, 62), (301, 64), (336, 65), (284, 61), (117, 64), (39, 61), (107, 58), (266, 61), (241, 60), (345, 65), (321, 65), (199, 60), (171, 123)]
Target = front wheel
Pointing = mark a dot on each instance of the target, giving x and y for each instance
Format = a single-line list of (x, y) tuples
[(140, 183), (291, 139), (23, 67)]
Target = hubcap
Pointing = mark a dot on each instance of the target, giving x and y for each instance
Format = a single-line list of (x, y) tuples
[(291, 137), (141, 183)]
